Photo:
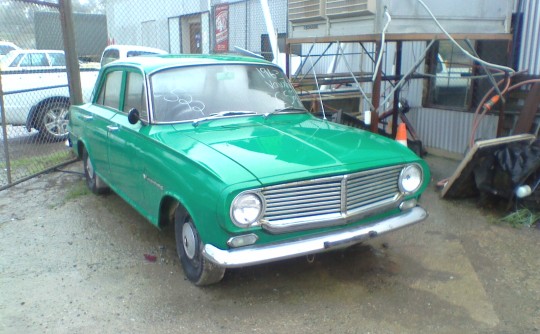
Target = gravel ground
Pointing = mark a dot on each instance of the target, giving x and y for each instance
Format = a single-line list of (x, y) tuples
[(73, 262)]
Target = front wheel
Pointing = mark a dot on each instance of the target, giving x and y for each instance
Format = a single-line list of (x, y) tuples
[(197, 268), (53, 120)]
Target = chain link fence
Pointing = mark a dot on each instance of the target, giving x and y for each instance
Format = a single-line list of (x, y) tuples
[(34, 83)]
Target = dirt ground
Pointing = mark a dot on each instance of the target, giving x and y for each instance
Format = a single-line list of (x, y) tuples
[(73, 262)]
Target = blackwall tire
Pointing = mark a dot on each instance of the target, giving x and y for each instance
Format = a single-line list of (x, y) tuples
[(196, 267), (53, 121), (93, 181)]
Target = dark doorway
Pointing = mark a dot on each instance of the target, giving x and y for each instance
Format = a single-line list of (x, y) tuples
[(195, 38)]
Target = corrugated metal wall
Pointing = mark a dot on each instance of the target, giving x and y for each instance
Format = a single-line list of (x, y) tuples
[(449, 130), (530, 41)]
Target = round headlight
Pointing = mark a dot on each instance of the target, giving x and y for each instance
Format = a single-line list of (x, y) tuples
[(410, 178), (246, 209)]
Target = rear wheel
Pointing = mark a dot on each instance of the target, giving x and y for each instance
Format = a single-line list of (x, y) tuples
[(53, 120), (93, 181), (189, 246)]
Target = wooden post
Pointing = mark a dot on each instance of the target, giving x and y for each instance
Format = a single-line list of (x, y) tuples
[(72, 62)]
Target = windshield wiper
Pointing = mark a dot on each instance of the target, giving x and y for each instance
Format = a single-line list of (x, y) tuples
[(290, 108), (231, 113), (222, 114)]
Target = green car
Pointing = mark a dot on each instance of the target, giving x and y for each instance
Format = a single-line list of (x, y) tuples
[(222, 147)]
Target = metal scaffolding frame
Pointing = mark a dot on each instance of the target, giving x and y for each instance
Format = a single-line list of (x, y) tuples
[(396, 79)]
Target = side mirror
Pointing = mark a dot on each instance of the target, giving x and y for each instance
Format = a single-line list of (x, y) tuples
[(134, 116)]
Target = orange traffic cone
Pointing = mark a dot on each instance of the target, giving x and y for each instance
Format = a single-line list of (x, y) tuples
[(401, 135)]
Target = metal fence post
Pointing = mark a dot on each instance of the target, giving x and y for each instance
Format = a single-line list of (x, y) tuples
[(4, 132)]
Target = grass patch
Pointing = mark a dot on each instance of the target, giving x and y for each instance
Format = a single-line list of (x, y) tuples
[(32, 165), (521, 218), (78, 190), (49, 160)]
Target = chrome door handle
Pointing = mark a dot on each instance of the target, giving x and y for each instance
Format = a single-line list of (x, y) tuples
[(86, 118), (112, 128)]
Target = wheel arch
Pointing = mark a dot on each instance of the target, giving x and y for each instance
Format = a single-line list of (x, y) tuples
[(80, 148), (168, 205), (167, 209), (34, 114)]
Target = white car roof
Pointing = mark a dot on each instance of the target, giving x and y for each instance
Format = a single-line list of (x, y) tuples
[(125, 48)]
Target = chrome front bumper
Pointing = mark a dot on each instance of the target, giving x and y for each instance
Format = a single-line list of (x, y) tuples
[(251, 255)]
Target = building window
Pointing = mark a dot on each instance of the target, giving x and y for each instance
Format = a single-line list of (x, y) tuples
[(455, 80)]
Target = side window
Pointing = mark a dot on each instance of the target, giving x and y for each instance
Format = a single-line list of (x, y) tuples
[(57, 59), (456, 81), (451, 70), (135, 53), (135, 95), (34, 59), (110, 55), (109, 95)]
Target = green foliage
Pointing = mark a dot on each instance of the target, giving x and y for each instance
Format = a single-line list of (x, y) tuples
[(521, 218)]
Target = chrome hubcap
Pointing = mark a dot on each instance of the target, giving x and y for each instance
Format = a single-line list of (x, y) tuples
[(56, 121), (89, 168), (188, 240)]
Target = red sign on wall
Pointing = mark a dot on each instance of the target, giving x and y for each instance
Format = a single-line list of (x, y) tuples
[(222, 27)]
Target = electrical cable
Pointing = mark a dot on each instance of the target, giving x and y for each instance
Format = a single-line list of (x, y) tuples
[(500, 67), (318, 88), (68, 171), (383, 37), (355, 80), (406, 76)]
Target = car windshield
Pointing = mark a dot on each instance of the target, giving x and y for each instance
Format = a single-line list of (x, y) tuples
[(191, 93)]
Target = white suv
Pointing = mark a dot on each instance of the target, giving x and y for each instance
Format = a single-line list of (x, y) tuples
[(115, 52), (33, 59), (34, 84)]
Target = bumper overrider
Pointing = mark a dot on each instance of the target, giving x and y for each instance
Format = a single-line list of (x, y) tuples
[(257, 254)]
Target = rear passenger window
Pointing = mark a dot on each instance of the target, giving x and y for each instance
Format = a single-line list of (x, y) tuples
[(110, 55), (57, 59), (109, 94)]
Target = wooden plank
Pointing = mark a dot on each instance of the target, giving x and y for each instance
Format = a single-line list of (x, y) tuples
[(397, 37), (462, 183), (528, 113)]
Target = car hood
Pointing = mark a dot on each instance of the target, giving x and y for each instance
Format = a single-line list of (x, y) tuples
[(299, 145)]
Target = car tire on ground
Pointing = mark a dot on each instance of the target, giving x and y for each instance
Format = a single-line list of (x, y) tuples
[(196, 267), (93, 181), (53, 120)]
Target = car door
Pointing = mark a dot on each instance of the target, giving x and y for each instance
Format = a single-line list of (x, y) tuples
[(126, 141), (37, 70), (57, 64), (98, 122)]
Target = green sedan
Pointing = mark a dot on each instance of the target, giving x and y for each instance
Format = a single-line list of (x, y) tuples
[(222, 148)]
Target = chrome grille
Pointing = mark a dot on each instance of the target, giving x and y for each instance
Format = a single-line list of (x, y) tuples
[(330, 198), (372, 188), (303, 199)]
